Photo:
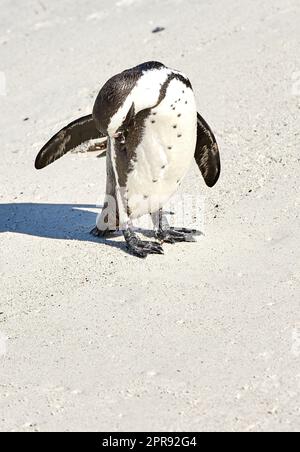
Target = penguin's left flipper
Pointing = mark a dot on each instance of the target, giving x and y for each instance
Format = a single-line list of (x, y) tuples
[(207, 153), (79, 131)]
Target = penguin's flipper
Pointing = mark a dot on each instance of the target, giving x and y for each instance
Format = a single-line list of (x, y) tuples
[(71, 136), (207, 153)]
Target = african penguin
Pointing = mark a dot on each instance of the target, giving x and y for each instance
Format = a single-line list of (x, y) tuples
[(148, 114)]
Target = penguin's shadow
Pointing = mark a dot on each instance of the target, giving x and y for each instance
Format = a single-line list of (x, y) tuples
[(54, 221)]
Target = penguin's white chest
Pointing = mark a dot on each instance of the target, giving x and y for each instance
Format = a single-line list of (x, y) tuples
[(165, 153)]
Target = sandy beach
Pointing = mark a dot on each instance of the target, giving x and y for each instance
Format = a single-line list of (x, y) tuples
[(206, 337)]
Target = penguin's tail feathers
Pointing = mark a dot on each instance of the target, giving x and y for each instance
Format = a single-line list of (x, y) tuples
[(78, 132)]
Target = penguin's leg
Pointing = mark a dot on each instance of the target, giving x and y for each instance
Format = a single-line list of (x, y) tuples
[(116, 215), (108, 220), (135, 245), (165, 233)]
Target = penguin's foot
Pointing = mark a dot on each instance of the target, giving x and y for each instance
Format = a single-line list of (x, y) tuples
[(98, 233), (175, 235), (141, 248), (187, 231)]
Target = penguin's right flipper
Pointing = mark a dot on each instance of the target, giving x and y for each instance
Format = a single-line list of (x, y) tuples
[(71, 136), (207, 153)]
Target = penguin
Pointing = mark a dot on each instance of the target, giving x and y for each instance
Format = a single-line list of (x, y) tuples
[(149, 116)]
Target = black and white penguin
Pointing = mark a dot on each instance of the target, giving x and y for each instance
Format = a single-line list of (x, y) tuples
[(149, 116)]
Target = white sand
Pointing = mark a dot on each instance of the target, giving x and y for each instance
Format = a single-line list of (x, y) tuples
[(206, 337)]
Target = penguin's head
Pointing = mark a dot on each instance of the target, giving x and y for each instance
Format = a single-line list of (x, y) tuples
[(112, 112), (113, 109)]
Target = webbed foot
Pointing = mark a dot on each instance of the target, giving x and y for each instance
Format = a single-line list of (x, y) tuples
[(98, 233), (139, 247), (175, 235)]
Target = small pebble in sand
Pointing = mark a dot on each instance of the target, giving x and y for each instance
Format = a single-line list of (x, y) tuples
[(158, 30)]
